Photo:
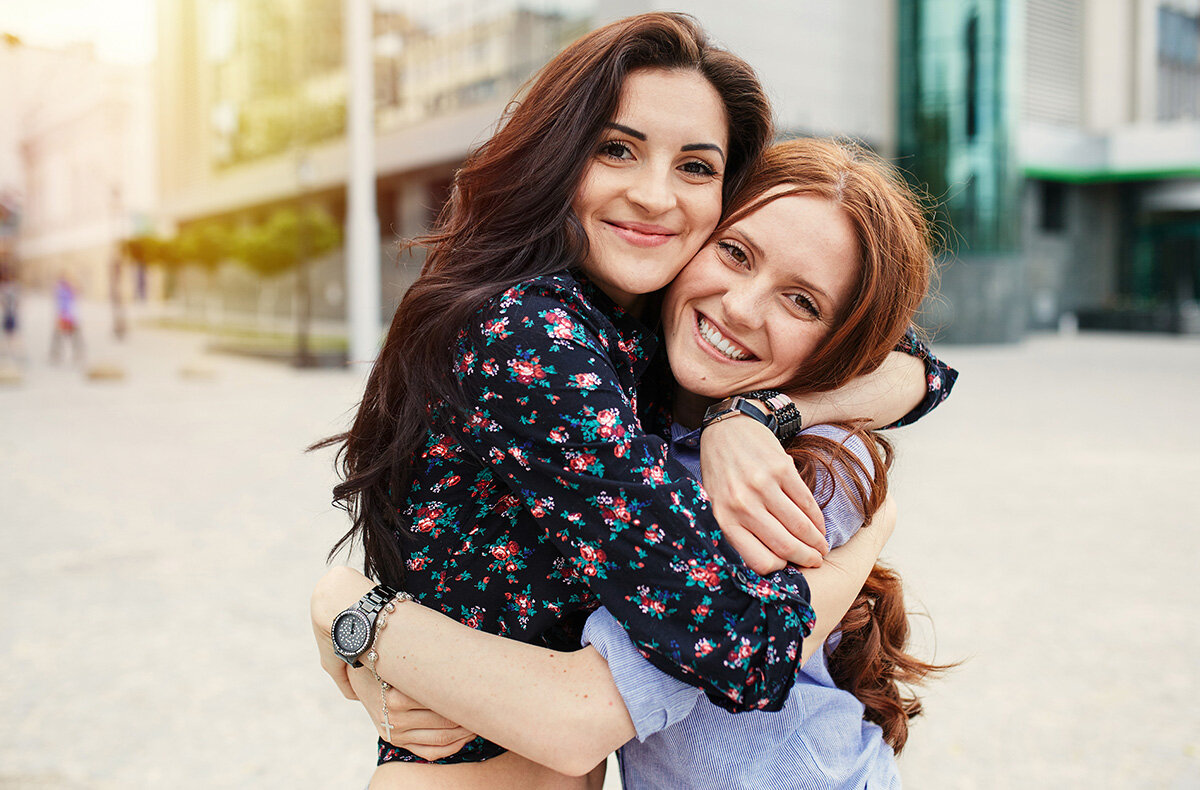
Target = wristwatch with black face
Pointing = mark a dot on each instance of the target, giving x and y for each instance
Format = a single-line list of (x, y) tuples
[(354, 628)]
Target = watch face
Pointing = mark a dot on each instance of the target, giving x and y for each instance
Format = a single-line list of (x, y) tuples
[(350, 632)]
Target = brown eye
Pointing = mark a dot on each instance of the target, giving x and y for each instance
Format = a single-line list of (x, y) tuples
[(806, 304), (698, 167), (733, 253), (616, 150)]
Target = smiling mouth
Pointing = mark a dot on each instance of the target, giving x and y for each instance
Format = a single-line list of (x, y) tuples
[(719, 343), (641, 236)]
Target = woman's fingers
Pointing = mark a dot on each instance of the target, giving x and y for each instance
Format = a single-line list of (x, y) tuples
[(794, 487), (773, 504), (754, 554), (436, 739), (420, 730), (790, 528), (438, 752)]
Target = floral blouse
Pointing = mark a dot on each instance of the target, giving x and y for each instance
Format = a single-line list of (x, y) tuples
[(546, 498)]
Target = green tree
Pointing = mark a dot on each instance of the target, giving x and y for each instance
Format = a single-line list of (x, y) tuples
[(290, 239), (206, 244), (149, 249)]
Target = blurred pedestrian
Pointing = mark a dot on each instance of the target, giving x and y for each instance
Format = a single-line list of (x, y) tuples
[(10, 299), (115, 273), (66, 320)]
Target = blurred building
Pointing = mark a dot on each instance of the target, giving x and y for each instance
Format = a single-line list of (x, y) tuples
[(1060, 138), (74, 171), (252, 116)]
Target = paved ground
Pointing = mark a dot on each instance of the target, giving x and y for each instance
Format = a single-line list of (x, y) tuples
[(161, 534)]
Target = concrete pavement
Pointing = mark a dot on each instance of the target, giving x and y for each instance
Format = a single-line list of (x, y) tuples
[(162, 533)]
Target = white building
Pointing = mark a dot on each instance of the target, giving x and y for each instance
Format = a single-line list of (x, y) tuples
[(77, 150)]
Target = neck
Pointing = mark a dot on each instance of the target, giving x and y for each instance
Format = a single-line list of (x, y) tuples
[(635, 306), (688, 407)]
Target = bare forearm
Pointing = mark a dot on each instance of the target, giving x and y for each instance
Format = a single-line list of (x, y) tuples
[(834, 586), (883, 396), (562, 710)]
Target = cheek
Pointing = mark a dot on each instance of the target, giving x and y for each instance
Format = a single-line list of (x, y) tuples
[(706, 212), (585, 195)]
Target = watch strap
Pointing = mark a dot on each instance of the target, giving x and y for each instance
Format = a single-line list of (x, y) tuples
[(376, 597), (738, 405), (785, 412)]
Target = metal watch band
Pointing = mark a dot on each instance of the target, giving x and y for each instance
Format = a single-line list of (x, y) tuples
[(784, 411), (376, 597), (738, 405), (367, 609)]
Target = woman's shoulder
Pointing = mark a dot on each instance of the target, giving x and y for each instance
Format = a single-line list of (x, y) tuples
[(556, 309), (560, 290), (852, 440)]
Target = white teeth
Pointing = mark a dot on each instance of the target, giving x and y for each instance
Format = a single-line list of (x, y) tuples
[(719, 341)]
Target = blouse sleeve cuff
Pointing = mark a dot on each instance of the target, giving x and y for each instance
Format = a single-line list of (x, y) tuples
[(655, 700)]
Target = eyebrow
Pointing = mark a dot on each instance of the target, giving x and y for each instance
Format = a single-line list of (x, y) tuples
[(799, 280), (704, 147), (634, 133)]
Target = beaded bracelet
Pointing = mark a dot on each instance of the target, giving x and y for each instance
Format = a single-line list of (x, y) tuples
[(373, 656)]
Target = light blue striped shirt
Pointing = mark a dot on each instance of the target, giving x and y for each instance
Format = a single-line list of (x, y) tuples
[(819, 740)]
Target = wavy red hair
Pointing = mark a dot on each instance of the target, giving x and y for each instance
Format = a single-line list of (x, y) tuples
[(895, 251)]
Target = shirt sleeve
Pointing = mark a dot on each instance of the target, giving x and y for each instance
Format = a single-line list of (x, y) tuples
[(839, 503), (654, 699), (549, 416), (939, 378)]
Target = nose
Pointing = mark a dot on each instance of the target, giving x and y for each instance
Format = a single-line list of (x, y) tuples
[(744, 304), (652, 189)]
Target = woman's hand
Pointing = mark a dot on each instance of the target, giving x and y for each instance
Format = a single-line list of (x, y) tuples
[(418, 729), (337, 590), (414, 727), (763, 506)]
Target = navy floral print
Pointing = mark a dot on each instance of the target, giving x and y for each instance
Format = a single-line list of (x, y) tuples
[(939, 378), (546, 498)]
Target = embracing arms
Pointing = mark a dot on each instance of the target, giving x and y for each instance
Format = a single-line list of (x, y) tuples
[(758, 498), (562, 710)]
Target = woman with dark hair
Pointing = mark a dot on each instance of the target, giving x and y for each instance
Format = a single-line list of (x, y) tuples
[(815, 274), (497, 468)]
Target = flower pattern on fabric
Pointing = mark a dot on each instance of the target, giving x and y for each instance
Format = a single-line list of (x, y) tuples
[(939, 378), (547, 498)]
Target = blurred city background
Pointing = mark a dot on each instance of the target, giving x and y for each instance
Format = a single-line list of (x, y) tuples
[(178, 180)]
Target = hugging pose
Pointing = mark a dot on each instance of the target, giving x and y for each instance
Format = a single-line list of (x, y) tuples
[(629, 291)]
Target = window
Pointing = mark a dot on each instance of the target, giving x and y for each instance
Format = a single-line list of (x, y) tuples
[(1053, 207)]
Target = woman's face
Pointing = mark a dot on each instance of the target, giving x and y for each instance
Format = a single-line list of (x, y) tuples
[(751, 307), (651, 194)]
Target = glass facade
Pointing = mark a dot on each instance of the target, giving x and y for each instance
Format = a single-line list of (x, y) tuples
[(278, 67), (956, 116), (277, 75), (434, 58), (1178, 64)]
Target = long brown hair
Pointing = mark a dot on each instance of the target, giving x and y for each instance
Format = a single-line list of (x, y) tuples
[(508, 219), (871, 660)]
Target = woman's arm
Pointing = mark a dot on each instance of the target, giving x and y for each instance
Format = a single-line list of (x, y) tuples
[(883, 396), (562, 710), (552, 419), (909, 384), (764, 509)]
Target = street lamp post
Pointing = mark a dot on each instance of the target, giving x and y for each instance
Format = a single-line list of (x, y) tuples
[(362, 222)]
